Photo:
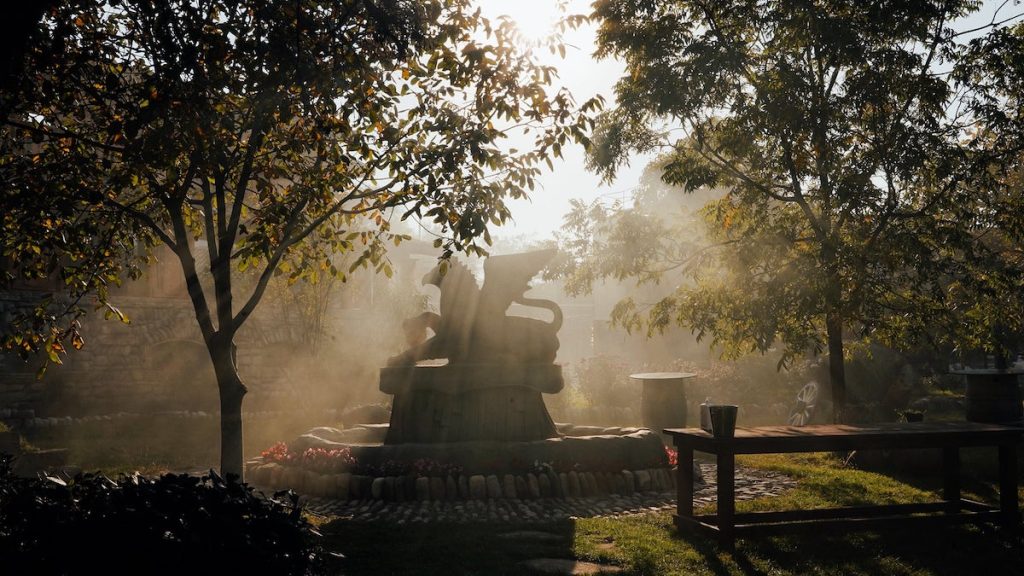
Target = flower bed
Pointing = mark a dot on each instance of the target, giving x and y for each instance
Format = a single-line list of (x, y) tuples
[(340, 460)]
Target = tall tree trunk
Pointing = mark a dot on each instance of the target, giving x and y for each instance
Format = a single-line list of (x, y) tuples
[(222, 352), (836, 365)]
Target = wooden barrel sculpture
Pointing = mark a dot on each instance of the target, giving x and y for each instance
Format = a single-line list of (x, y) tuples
[(664, 399), (474, 402), (993, 396)]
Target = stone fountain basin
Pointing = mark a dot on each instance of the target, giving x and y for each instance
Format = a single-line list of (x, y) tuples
[(587, 448)]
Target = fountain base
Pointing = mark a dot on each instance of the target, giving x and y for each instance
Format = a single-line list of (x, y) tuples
[(470, 402)]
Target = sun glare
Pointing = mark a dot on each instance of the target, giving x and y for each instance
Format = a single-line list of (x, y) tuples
[(535, 19)]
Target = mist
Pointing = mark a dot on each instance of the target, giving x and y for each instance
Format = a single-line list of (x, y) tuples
[(145, 390)]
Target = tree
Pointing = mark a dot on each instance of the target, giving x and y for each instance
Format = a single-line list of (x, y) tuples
[(833, 129), (986, 289), (267, 136)]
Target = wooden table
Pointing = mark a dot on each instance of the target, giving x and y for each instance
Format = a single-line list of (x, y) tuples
[(947, 436)]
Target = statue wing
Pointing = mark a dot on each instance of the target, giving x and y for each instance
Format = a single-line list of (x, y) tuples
[(507, 277), (460, 296)]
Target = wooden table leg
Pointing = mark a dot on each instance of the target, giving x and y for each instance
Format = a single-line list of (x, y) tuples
[(726, 499), (1008, 486), (684, 486), (951, 477)]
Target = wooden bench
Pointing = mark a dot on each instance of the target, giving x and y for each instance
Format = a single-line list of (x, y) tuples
[(947, 436)]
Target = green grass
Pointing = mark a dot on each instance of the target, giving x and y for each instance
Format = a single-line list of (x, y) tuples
[(649, 544)]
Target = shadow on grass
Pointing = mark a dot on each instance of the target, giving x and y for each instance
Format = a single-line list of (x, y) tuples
[(713, 557), (445, 549), (979, 469), (936, 551)]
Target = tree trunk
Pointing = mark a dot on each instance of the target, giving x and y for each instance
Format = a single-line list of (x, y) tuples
[(834, 329), (231, 393), (836, 365)]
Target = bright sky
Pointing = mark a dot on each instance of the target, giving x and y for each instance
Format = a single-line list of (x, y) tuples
[(584, 76), (538, 217)]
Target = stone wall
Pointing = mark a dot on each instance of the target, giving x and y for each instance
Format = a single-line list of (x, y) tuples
[(156, 363)]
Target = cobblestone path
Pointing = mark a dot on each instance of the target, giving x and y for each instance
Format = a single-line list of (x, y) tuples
[(750, 484)]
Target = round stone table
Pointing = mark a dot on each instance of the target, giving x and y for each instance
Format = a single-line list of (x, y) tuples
[(664, 399)]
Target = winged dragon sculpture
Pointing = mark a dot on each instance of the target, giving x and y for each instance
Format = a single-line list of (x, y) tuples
[(472, 326)]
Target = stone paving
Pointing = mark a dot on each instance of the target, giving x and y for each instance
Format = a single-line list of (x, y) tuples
[(750, 484)]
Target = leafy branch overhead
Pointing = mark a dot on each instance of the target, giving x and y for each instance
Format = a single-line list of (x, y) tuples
[(267, 134), (260, 138), (852, 146)]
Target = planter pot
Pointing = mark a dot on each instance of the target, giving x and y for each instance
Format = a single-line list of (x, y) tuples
[(992, 396)]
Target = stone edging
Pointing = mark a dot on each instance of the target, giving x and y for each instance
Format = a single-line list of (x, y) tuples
[(573, 484), (750, 483)]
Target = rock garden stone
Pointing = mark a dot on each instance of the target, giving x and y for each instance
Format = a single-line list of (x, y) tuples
[(521, 487), (308, 483), (655, 479), (325, 485), (341, 485), (493, 487), (618, 483), (643, 480), (361, 486), (422, 489), (436, 488), (544, 486), (630, 482), (508, 486), (293, 478), (477, 487), (574, 484), (377, 488), (533, 485)]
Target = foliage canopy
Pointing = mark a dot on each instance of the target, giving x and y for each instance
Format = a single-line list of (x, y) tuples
[(259, 137), (843, 148)]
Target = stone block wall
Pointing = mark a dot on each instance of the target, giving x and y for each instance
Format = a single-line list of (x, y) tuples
[(156, 363)]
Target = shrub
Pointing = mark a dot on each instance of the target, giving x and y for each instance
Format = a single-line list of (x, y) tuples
[(170, 525), (604, 381)]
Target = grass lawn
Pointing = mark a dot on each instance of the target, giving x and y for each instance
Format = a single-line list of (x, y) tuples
[(649, 543)]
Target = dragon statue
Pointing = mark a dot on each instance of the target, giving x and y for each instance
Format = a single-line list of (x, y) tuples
[(473, 327)]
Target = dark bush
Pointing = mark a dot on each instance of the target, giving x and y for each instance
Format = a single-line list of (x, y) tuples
[(176, 524)]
